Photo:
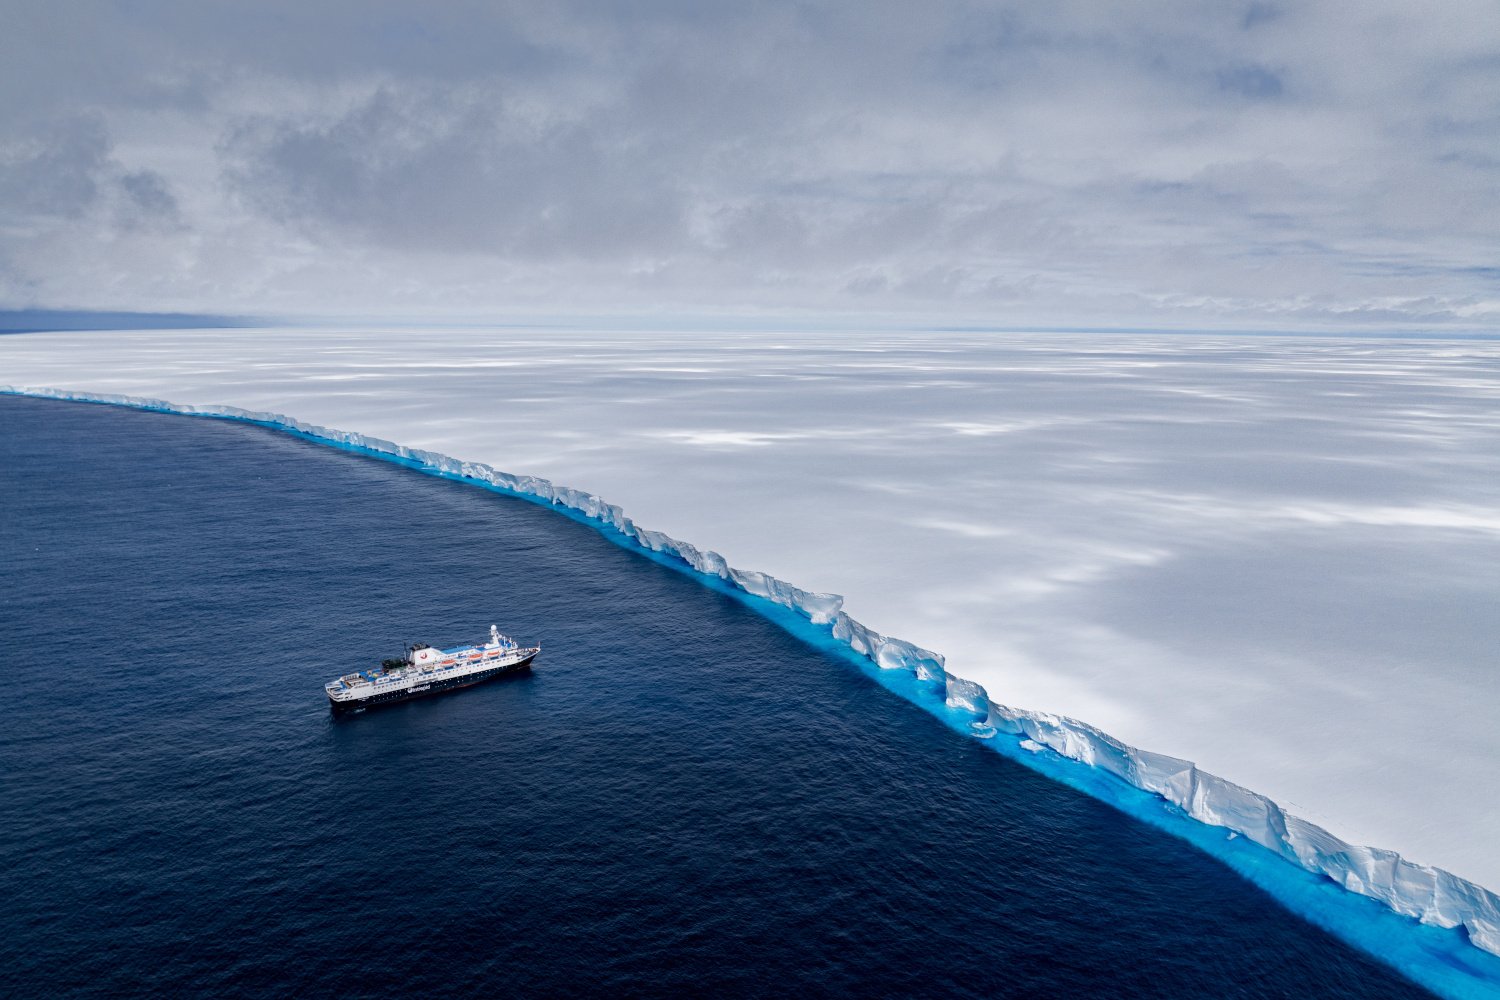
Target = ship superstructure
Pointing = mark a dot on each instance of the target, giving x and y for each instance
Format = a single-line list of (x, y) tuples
[(425, 671)]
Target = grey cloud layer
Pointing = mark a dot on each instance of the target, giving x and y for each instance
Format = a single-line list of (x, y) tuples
[(1183, 162)]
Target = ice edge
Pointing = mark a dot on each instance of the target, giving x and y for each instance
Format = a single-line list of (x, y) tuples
[(1431, 895)]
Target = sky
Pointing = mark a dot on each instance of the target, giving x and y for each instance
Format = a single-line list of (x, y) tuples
[(1208, 165)]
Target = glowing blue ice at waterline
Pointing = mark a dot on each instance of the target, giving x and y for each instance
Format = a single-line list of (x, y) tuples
[(1169, 792)]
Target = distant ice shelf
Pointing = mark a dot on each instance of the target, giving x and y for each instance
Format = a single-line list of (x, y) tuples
[(1430, 895)]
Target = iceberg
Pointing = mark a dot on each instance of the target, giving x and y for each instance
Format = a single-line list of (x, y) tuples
[(1430, 895)]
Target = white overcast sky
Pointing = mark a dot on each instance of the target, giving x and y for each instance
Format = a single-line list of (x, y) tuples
[(1202, 164)]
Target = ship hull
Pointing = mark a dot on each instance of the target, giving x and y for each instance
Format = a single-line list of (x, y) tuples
[(428, 690)]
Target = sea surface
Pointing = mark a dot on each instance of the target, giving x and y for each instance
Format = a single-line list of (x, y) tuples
[(682, 798)]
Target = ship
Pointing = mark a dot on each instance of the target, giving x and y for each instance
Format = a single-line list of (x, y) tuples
[(427, 671)]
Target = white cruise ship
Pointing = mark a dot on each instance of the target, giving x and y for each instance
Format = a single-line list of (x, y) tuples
[(426, 671)]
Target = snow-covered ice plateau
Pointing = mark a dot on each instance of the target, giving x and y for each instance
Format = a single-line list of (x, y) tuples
[(1276, 557)]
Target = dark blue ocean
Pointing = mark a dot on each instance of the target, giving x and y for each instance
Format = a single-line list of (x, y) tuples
[(682, 798)]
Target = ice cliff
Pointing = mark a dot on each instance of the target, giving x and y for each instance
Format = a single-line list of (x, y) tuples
[(1430, 895)]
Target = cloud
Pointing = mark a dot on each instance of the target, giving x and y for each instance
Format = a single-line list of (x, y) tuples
[(1190, 162), (434, 170), (57, 172), (148, 196), (67, 171), (1255, 82)]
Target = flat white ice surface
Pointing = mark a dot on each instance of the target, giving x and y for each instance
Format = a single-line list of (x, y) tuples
[(1277, 557)]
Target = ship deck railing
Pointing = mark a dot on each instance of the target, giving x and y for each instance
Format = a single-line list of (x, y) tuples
[(368, 677)]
